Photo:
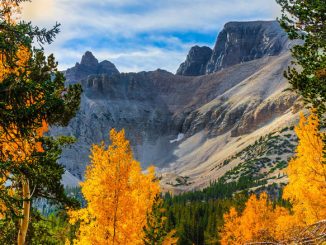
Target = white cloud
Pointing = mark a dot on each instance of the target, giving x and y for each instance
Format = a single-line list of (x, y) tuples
[(113, 19), (148, 59)]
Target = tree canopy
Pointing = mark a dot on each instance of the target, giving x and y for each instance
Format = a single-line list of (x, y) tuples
[(118, 195), (32, 97), (306, 20)]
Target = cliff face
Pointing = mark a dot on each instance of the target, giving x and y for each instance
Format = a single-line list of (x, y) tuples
[(123, 101), (196, 61), (183, 124), (238, 42)]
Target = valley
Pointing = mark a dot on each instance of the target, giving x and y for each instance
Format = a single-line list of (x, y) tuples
[(221, 101)]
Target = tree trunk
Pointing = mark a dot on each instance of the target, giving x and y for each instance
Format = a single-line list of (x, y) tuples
[(23, 223)]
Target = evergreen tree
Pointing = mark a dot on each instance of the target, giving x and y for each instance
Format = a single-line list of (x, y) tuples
[(32, 96), (306, 20)]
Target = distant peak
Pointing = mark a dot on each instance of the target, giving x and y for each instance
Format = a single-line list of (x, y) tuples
[(89, 65), (195, 63), (89, 59)]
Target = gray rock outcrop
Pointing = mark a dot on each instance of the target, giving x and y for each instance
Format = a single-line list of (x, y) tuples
[(238, 42), (196, 61)]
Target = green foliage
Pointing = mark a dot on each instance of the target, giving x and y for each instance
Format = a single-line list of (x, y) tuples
[(306, 20), (198, 215), (51, 230), (157, 227), (8, 232), (198, 221), (46, 175), (31, 93), (39, 80)]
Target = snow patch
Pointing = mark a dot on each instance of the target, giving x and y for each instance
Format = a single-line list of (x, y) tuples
[(179, 138)]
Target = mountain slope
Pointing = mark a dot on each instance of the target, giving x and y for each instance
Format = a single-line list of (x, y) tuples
[(231, 122), (186, 125)]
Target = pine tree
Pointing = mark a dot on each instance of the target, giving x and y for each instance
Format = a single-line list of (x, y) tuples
[(32, 96), (305, 19)]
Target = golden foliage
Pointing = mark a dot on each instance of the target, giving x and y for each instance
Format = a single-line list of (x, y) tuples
[(170, 238), (18, 150), (22, 57), (11, 10), (307, 173), (118, 195), (306, 190), (13, 146), (256, 223)]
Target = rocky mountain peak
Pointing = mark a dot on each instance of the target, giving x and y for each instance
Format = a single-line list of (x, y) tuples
[(89, 59), (196, 61), (238, 42), (89, 65)]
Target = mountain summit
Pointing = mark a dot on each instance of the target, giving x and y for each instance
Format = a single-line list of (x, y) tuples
[(238, 42), (89, 65), (89, 60), (196, 61)]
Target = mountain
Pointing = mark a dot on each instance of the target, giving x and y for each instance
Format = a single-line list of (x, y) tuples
[(189, 126), (238, 42), (89, 65), (196, 61)]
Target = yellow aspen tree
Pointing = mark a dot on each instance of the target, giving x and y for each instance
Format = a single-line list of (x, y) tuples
[(23, 56), (118, 195), (230, 234), (255, 224), (306, 191), (11, 13), (13, 146), (287, 225), (170, 238), (307, 173), (12, 10)]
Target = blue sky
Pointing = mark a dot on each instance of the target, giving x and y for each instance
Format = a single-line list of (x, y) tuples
[(139, 35)]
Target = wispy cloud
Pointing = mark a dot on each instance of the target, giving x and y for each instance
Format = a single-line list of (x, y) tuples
[(140, 34)]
